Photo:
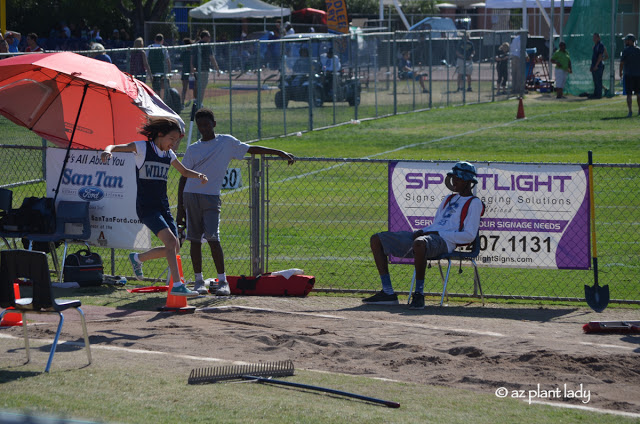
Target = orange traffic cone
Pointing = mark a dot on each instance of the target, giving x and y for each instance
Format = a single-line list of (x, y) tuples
[(177, 303), (12, 319), (520, 114)]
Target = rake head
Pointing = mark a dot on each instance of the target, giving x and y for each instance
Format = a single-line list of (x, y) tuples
[(236, 372)]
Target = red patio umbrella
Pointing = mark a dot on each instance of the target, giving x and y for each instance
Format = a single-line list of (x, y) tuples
[(76, 101), (57, 94)]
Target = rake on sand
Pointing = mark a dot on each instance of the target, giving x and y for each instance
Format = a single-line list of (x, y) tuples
[(262, 373)]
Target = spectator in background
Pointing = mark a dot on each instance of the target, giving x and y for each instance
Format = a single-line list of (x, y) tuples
[(65, 30), (517, 82), (502, 67), (562, 60), (159, 62), (100, 53), (124, 37), (405, 71), (13, 41), (464, 61), (32, 44), (202, 61), (630, 68), (94, 35), (288, 28), (597, 66), (138, 63), (115, 42), (330, 62), (185, 60)]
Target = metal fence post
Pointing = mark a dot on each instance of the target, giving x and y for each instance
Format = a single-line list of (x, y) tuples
[(230, 90), (259, 101), (395, 73), (256, 224)]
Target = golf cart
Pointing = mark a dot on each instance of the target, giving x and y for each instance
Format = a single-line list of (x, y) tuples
[(314, 75)]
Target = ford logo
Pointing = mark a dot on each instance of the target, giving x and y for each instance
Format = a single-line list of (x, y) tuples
[(90, 194)]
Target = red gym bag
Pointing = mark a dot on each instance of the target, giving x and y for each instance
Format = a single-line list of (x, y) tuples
[(271, 285)]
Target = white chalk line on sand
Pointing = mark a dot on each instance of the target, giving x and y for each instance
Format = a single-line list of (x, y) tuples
[(386, 322)]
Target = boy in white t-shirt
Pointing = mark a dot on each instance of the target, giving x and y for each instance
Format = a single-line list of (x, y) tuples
[(199, 206)]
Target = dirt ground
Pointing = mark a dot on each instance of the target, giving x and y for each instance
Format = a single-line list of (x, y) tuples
[(522, 351)]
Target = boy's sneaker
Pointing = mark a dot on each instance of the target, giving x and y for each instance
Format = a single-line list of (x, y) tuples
[(199, 287), (182, 290), (223, 289), (417, 301), (381, 298), (137, 267)]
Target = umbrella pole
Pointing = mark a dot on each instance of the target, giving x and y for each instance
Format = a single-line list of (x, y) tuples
[(66, 157), (193, 114)]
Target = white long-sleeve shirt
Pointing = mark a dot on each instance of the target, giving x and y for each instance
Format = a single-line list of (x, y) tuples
[(447, 221)]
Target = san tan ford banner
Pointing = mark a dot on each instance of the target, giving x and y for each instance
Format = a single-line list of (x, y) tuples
[(537, 216), (110, 188)]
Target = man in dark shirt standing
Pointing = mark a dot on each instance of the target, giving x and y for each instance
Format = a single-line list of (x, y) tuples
[(630, 67), (464, 62), (203, 60), (597, 66)]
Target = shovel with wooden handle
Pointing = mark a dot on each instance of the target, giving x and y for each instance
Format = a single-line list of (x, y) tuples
[(597, 297)]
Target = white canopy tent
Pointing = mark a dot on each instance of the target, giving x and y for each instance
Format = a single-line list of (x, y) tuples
[(221, 9), (531, 4)]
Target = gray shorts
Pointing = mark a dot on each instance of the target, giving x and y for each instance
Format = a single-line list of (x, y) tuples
[(400, 244), (203, 216)]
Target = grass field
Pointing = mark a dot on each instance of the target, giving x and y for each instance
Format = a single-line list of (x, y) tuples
[(123, 388)]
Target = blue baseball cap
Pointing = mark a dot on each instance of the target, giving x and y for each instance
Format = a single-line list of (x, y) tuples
[(464, 171)]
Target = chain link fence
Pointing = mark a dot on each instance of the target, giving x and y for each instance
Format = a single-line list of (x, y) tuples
[(265, 88), (261, 92), (319, 215)]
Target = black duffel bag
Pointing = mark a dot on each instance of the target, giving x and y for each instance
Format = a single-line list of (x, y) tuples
[(84, 268)]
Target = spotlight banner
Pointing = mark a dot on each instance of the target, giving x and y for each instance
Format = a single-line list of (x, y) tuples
[(110, 188), (536, 216)]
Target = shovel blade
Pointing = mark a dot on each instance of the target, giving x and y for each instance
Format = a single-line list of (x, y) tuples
[(597, 297)]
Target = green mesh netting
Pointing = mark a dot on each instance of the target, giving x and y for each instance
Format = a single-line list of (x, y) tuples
[(587, 17)]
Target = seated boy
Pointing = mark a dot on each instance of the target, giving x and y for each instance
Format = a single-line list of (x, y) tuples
[(443, 235)]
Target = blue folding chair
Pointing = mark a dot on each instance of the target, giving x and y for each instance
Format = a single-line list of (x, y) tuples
[(6, 209), (34, 266), (470, 255), (72, 223)]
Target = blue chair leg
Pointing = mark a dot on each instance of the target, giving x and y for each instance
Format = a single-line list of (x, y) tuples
[(55, 342), (85, 334), (446, 280), (476, 280), (413, 280)]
